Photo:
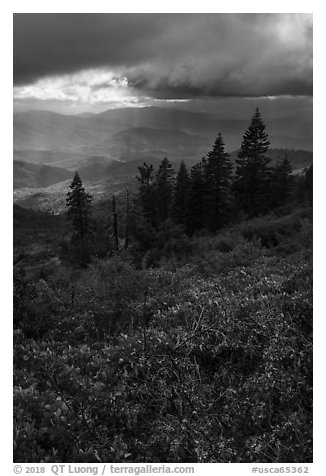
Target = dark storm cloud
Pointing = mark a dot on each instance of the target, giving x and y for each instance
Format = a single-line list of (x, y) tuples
[(47, 44), (172, 55), (163, 89)]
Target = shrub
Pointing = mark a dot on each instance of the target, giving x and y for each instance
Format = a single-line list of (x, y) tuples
[(207, 359)]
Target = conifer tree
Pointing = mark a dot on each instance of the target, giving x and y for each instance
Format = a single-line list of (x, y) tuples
[(127, 224), (281, 183), (115, 224), (304, 187), (179, 205), (218, 174), (164, 184), (78, 208), (252, 171), (78, 205), (195, 204), (309, 185), (146, 192)]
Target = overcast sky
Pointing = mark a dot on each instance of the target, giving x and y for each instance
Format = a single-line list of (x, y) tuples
[(78, 62)]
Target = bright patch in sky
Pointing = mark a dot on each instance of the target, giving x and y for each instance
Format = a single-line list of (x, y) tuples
[(89, 87), (89, 90)]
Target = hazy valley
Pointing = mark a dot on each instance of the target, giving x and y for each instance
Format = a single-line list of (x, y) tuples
[(107, 148)]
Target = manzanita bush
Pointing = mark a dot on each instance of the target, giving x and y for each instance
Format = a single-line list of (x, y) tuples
[(204, 361)]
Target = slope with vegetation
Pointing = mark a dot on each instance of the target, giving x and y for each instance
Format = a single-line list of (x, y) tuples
[(176, 325), (204, 359)]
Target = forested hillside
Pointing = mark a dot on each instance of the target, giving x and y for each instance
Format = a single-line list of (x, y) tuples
[(172, 323)]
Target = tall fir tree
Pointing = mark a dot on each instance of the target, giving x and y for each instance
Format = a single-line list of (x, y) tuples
[(251, 184), (218, 176), (146, 193), (164, 184), (304, 187), (115, 224), (78, 212), (195, 204), (281, 183), (309, 185), (180, 197), (78, 206), (127, 224)]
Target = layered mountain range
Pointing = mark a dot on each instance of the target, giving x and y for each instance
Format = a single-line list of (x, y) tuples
[(107, 148)]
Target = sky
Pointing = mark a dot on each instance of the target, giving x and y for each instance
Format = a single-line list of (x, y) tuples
[(220, 63)]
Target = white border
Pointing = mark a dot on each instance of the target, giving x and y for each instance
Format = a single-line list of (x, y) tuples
[(319, 185)]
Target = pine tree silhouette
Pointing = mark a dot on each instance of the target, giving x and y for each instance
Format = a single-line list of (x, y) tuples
[(281, 183), (127, 224), (115, 224), (218, 175), (146, 194), (78, 205), (251, 184), (180, 198), (195, 205), (164, 184)]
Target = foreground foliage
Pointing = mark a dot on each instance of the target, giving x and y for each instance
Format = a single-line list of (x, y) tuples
[(205, 358)]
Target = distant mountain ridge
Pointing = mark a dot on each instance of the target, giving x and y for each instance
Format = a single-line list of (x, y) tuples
[(149, 141), (107, 148), (66, 160), (101, 134)]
